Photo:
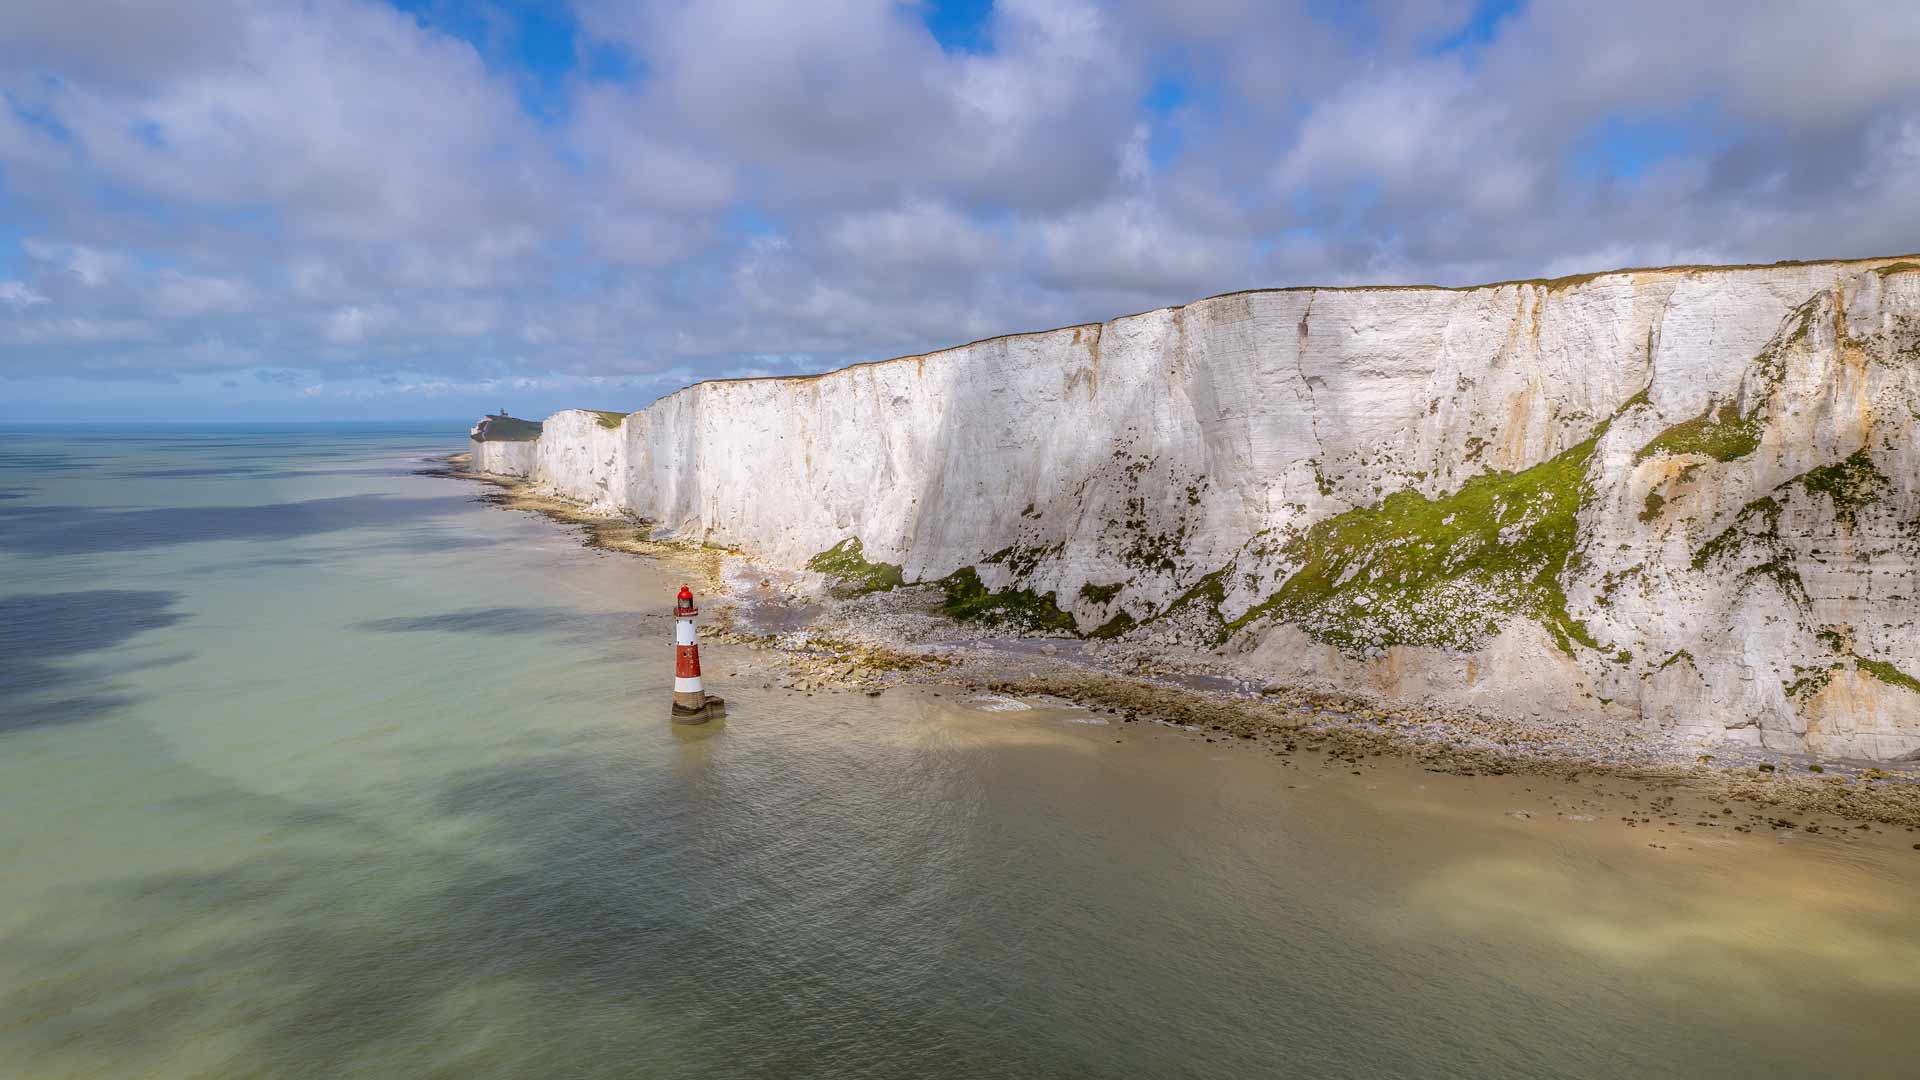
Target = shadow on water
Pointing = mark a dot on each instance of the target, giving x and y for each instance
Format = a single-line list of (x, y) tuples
[(42, 634), (274, 562), (505, 621), (617, 921), (22, 715), (42, 531), (253, 472), (45, 461), (187, 472), (611, 920), (425, 542)]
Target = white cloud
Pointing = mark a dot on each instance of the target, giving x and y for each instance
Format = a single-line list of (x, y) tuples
[(353, 325), (918, 234), (174, 295), (347, 191), (77, 330), (92, 267), (19, 294), (1130, 245), (852, 101), (345, 119)]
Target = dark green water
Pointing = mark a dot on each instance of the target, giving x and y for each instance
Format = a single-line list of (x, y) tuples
[(310, 766)]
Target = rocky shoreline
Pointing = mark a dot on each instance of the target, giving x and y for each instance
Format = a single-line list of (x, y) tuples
[(808, 641)]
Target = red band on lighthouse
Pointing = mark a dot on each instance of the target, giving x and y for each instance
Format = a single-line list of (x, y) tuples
[(686, 662)]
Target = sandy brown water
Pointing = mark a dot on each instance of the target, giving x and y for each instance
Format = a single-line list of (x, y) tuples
[(398, 797)]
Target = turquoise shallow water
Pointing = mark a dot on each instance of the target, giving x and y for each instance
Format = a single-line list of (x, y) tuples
[(313, 766)]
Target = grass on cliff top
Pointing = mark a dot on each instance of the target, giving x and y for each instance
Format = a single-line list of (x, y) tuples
[(1434, 572), (1723, 436), (608, 418), (510, 429), (845, 565)]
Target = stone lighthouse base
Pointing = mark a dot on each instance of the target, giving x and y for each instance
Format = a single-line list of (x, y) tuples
[(694, 707)]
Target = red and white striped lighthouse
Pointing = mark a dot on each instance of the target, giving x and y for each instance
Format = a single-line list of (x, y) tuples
[(690, 701)]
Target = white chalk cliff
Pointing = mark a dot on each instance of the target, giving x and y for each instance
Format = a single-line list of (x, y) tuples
[(1684, 498)]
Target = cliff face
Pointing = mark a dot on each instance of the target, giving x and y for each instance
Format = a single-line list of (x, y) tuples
[(505, 445), (1680, 498)]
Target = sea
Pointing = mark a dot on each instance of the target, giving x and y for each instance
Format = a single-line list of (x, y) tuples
[(314, 764)]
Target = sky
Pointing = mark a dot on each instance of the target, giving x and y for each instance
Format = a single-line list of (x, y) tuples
[(242, 210)]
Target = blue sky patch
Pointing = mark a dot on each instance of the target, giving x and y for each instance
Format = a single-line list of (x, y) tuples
[(959, 25)]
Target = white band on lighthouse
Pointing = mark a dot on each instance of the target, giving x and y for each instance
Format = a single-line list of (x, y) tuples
[(683, 632), (686, 686)]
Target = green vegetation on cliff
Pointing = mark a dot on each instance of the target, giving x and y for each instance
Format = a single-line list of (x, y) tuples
[(1851, 484), (1723, 436), (1758, 526), (1199, 606), (1887, 673), (846, 566), (968, 598), (1023, 559), (609, 419), (1437, 572), (1810, 681), (1759, 521), (1837, 641)]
